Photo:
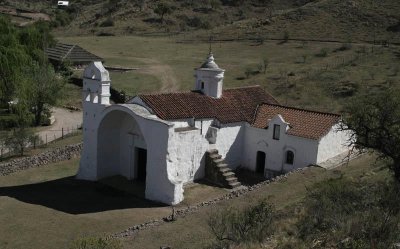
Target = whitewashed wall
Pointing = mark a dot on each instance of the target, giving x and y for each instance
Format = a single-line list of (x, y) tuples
[(230, 143), (186, 149), (305, 150), (332, 144)]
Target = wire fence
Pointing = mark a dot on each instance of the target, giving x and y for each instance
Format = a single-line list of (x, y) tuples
[(42, 139)]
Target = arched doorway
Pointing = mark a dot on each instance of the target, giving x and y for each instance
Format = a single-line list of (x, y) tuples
[(121, 147)]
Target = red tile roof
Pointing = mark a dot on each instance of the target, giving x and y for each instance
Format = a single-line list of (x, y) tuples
[(235, 105), (302, 123)]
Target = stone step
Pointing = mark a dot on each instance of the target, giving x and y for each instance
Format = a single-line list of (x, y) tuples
[(219, 160), (222, 165), (213, 151), (215, 156), (231, 179), (228, 173), (224, 170), (234, 184)]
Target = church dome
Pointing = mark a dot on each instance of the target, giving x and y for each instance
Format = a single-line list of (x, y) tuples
[(210, 63)]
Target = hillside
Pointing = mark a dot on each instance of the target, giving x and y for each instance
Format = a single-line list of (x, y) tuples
[(355, 20)]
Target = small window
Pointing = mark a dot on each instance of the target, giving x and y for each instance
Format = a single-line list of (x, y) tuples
[(277, 130), (202, 85), (289, 157)]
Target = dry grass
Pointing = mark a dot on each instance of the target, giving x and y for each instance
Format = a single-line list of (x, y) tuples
[(194, 231), (46, 207), (311, 83)]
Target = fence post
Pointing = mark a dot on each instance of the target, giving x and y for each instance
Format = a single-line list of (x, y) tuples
[(62, 133), (46, 139)]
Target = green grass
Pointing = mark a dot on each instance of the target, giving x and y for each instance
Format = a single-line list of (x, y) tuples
[(312, 84)]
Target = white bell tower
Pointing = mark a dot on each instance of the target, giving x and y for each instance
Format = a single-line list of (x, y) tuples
[(209, 78), (95, 98)]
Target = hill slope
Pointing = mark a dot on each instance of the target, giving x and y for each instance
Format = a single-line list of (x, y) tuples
[(303, 19)]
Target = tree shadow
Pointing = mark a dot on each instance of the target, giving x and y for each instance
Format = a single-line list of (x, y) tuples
[(74, 196)]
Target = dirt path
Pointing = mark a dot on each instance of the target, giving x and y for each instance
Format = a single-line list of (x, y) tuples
[(162, 71), (66, 122)]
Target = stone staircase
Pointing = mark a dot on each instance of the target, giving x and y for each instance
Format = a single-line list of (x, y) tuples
[(218, 172)]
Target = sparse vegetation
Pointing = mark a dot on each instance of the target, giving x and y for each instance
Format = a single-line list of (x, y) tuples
[(96, 243), (233, 227)]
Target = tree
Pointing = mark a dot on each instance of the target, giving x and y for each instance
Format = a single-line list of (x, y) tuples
[(19, 47), (374, 123), (162, 9), (42, 87), (20, 138)]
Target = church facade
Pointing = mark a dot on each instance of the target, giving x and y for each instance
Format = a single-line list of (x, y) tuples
[(162, 138)]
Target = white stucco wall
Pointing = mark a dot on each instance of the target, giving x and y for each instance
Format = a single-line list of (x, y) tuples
[(230, 143), (305, 150), (186, 149), (332, 144)]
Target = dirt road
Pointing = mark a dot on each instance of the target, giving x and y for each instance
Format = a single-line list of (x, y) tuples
[(66, 122)]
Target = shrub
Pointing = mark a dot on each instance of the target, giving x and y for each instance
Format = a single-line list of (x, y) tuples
[(198, 22), (21, 138), (342, 214), (107, 23), (323, 52), (250, 225)]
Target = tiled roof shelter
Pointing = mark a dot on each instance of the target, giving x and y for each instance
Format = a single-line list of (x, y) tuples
[(302, 123), (235, 105), (73, 53)]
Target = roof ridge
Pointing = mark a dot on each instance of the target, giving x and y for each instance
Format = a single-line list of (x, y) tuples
[(69, 51), (195, 91), (301, 109)]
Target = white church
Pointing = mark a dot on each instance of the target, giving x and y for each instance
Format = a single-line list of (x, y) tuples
[(170, 139)]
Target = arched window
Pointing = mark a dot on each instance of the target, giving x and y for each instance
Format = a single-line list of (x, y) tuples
[(202, 85), (289, 157)]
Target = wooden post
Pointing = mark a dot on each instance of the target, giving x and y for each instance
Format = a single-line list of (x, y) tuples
[(62, 133)]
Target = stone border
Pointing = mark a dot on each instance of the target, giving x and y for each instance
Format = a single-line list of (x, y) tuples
[(52, 156), (131, 231)]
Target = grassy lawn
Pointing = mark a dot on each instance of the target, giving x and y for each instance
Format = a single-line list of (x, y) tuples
[(285, 195), (309, 75)]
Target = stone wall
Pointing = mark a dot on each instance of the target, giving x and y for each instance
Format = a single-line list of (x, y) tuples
[(52, 156)]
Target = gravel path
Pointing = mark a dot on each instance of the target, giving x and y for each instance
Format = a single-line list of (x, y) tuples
[(66, 122)]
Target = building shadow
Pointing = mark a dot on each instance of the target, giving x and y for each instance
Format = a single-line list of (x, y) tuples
[(74, 196)]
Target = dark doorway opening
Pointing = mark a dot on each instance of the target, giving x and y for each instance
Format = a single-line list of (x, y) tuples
[(260, 163), (141, 155)]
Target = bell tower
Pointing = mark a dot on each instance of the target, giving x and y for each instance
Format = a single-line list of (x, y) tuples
[(95, 98), (209, 78)]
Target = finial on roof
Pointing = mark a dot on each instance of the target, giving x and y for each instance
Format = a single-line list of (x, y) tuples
[(210, 63)]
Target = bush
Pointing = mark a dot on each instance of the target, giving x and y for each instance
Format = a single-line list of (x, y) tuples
[(198, 22), (96, 243), (234, 227), (323, 52), (8, 121), (19, 139), (342, 214), (107, 23)]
